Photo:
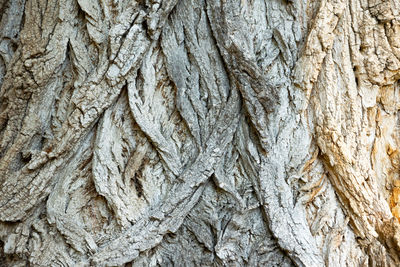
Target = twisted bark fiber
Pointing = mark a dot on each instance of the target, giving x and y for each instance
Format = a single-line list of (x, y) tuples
[(199, 132)]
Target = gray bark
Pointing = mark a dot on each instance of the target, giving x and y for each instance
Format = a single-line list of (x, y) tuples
[(199, 132)]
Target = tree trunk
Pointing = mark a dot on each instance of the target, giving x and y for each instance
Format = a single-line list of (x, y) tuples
[(199, 132)]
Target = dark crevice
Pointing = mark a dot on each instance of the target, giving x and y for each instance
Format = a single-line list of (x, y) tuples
[(3, 71), (138, 184), (21, 26), (144, 25), (19, 161), (355, 69), (81, 15), (123, 37), (3, 7), (3, 259)]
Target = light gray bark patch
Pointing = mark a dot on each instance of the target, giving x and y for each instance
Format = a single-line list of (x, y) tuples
[(266, 101), (169, 215)]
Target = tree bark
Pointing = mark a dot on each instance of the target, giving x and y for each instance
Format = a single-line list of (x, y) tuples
[(199, 132)]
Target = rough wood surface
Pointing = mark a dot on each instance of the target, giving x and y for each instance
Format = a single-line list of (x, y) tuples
[(199, 133)]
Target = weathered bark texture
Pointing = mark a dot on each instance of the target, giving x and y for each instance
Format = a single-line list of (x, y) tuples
[(199, 132)]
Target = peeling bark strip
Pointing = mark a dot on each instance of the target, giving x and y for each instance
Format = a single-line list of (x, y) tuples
[(199, 132)]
